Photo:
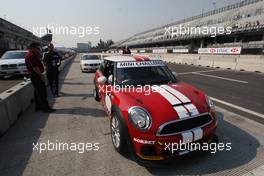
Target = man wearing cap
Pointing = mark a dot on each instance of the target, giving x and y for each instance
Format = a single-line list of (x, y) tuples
[(35, 69), (52, 61)]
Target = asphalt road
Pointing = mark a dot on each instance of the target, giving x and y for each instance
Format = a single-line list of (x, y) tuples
[(80, 119), (241, 89)]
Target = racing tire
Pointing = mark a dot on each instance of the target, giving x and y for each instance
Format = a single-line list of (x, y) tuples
[(118, 134)]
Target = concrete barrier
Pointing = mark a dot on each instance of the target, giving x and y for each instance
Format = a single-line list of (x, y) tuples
[(253, 63), (16, 100), (205, 62), (4, 123), (223, 61)]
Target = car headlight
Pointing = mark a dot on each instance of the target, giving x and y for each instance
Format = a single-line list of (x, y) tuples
[(210, 102), (139, 117)]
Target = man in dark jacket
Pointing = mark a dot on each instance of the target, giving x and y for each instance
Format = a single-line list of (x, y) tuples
[(35, 70), (52, 61)]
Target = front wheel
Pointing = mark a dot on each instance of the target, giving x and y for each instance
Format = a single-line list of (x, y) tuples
[(118, 134)]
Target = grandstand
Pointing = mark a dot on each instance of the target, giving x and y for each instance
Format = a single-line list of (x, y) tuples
[(246, 19), (14, 37)]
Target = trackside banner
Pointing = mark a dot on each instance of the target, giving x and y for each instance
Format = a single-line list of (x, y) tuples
[(180, 50), (156, 51), (140, 64), (231, 50)]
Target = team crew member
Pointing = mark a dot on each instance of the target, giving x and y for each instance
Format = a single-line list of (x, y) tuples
[(35, 69), (52, 61), (126, 50)]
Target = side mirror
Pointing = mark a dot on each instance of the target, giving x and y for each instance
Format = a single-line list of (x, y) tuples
[(174, 73), (102, 80), (110, 79)]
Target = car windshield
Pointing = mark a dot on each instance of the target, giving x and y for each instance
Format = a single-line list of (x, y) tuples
[(14, 55), (90, 57), (159, 74)]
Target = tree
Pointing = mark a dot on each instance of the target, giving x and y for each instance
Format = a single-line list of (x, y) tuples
[(102, 45)]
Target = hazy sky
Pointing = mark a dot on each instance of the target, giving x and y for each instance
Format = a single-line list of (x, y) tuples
[(116, 19)]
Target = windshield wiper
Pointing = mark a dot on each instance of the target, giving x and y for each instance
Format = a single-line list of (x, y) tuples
[(160, 82)]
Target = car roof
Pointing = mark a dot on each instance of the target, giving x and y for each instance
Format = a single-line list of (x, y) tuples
[(130, 58)]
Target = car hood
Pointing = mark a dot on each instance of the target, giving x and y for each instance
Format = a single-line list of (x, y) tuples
[(181, 101), (91, 61), (12, 61)]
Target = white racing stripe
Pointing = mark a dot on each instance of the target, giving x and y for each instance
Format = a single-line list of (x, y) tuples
[(192, 109), (178, 94), (187, 137), (182, 112), (173, 100), (198, 134)]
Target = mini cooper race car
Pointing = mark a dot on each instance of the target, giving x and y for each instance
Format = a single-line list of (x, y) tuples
[(150, 109)]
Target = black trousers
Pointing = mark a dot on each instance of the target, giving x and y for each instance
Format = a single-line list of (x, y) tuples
[(53, 78), (40, 93)]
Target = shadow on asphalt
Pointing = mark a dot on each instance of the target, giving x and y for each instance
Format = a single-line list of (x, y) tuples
[(244, 149), (92, 112), (77, 83), (84, 96), (16, 145)]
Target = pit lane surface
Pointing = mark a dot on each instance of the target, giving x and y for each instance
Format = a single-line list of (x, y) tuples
[(233, 90), (80, 119)]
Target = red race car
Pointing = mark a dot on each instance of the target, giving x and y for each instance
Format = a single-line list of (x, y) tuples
[(150, 110)]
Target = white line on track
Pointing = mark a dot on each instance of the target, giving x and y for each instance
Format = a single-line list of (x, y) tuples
[(203, 71), (238, 107), (218, 77)]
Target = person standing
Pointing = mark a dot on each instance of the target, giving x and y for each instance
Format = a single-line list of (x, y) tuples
[(52, 61), (35, 69)]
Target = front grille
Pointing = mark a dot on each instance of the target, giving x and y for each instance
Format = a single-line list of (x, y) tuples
[(148, 150), (185, 125), (12, 65), (91, 65), (9, 66), (94, 64)]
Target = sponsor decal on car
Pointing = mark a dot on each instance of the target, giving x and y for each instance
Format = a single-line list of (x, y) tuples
[(140, 64), (141, 141)]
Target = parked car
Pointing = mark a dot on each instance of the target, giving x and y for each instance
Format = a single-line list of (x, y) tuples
[(170, 111), (90, 63), (13, 63)]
